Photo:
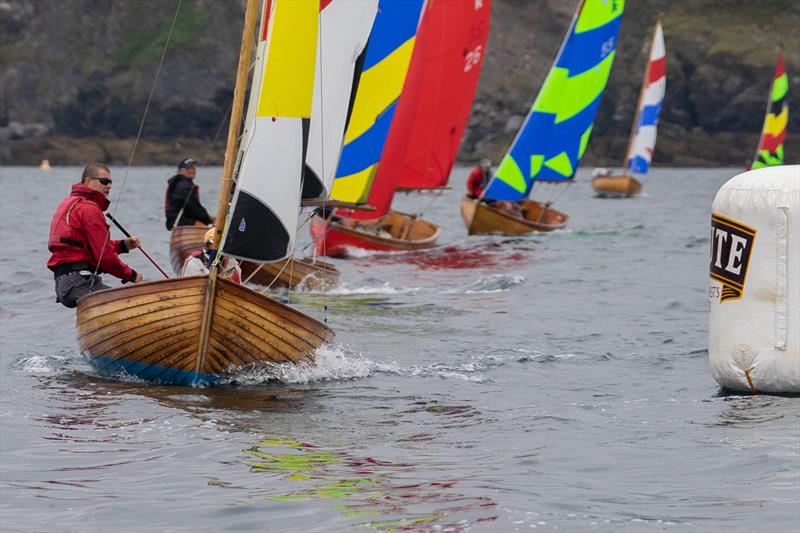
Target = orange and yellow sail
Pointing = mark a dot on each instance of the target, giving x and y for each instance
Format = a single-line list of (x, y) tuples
[(773, 135)]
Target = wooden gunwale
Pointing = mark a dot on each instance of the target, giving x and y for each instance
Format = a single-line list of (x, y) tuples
[(146, 288), (483, 219)]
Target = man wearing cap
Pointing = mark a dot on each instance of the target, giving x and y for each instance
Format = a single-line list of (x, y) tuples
[(183, 198), (79, 240)]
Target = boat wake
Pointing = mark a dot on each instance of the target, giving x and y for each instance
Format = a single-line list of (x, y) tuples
[(41, 364), (490, 284), (371, 287), (331, 364)]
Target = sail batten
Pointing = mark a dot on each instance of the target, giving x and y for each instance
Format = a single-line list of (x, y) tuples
[(554, 135), (773, 134)]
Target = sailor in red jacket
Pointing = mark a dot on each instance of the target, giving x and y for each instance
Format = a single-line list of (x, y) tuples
[(79, 240), (479, 178)]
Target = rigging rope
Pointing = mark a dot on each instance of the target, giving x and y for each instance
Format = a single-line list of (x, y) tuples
[(141, 126)]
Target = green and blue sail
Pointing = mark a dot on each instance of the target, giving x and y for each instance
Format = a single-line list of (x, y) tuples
[(556, 131)]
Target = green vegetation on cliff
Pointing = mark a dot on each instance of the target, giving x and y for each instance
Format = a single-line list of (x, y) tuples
[(83, 70)]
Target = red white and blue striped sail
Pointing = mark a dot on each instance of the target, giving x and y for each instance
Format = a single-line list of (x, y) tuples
[(643, 140)]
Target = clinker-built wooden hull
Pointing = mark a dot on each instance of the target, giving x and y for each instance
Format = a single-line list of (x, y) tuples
[(305, 273), (394, 232), (481, 218), (153, 331), (184, 240), (294, 273), (616, 186)]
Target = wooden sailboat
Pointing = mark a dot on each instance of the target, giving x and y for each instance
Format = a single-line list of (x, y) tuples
[(294, 273), (554, 135), (333, 86), (364, 175), (642, 140), (193, 330), (776, 119)]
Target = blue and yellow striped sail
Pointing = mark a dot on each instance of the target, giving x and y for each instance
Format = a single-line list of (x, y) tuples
[(555, 133), (382, 77)]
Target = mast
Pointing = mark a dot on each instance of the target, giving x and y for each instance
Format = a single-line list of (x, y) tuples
[(635, 125), (231, 148)]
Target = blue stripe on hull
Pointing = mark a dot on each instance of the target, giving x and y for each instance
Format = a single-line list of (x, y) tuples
[(107, 366)]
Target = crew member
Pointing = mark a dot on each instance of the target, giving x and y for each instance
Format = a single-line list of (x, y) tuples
[(183, 197), (479, 179), (80, 243), (199, 263)]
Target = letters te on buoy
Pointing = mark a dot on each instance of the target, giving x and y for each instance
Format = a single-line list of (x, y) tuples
[(754, 290)]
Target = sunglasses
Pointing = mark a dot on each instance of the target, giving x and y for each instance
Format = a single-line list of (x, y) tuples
[(103, 181)]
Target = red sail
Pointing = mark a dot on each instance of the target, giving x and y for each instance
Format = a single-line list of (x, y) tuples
[(433, 109)]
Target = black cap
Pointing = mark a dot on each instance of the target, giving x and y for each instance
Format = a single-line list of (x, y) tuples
[(186, 163)]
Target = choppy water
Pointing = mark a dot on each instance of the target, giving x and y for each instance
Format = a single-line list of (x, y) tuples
[(551, 382)]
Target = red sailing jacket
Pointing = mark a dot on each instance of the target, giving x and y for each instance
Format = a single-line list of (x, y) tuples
[(79, 232), (477, 181)]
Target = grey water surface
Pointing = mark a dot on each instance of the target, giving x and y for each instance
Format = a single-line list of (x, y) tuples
[(553, 382)]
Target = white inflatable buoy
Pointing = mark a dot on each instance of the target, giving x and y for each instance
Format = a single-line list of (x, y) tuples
[(754, 296)]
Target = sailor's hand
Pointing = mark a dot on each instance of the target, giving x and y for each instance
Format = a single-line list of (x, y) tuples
[(138, 278), (132, 242)]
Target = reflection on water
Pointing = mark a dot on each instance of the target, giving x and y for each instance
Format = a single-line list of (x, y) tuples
[(375, 493)]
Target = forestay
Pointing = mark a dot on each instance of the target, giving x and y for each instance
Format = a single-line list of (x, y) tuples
[(344, 28), (556, 131), (643, 141), (263, 220), (389, 51)]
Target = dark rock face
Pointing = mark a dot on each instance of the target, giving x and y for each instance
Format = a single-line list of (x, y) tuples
[(86, 80)]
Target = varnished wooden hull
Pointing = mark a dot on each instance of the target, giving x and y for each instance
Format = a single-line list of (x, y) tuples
[(184, 240), (303, 273), (616, 186), (400, 232), (306, 273), (481, 218), (153, 330)]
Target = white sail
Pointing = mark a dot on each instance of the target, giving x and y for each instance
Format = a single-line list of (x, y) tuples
[(344, 29), (263, 219)]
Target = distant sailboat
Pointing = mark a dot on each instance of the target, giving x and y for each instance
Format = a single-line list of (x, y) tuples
[(193, 330), (773, 134), (551, 141), (642, 141)]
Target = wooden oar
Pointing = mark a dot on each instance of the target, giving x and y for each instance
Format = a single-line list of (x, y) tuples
[(125, 232)]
